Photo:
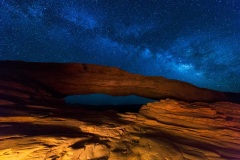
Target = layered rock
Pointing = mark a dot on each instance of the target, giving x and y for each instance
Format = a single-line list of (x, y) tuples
[(167, 129), (36, 124)]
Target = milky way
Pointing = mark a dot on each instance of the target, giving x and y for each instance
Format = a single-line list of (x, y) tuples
[(196, 41)]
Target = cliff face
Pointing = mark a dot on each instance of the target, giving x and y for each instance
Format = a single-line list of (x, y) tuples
[(36, 124)]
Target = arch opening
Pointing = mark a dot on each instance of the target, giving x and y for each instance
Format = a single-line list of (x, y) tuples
[(103, 102)]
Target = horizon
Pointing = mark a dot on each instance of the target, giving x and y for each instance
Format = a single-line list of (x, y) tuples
[(192, 41)]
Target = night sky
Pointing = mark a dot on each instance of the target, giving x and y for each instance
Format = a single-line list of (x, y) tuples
[(196, 41)]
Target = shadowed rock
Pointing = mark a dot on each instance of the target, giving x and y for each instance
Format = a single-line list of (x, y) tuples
[(36, 124), (53, 80)]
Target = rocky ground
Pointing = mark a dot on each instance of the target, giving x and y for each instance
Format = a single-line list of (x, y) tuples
[(164, 130), (36, 124)]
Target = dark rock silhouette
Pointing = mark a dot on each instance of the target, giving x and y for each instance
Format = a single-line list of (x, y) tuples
[(53, 80)]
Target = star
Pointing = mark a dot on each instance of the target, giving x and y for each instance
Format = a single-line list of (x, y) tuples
[(191, 40)]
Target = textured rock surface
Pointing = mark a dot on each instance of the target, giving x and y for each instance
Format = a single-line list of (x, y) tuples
[(36, 124), (162, 130), (35, 81)]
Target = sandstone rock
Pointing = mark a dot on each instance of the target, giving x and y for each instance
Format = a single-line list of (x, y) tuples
[(167, 129), (43, 80), (35, 123)]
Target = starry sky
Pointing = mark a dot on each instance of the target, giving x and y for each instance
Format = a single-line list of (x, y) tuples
[(195, 41)]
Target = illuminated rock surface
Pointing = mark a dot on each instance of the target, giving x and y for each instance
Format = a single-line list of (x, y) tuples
[(36, 124), (167, 129)]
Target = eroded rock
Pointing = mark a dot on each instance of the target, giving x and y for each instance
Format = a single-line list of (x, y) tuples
[(36, 124), (167, 129), (36, 81)]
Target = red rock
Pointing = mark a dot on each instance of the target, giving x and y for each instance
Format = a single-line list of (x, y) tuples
[(36, 124), (55, 79)]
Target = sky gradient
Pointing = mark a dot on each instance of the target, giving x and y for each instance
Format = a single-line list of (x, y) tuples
[(195, 41)]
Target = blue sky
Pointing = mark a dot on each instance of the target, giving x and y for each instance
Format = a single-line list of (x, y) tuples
[(196, 41)]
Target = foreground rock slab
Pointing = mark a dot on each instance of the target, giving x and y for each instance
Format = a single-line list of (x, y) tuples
[(28, 81), (167, 129)]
